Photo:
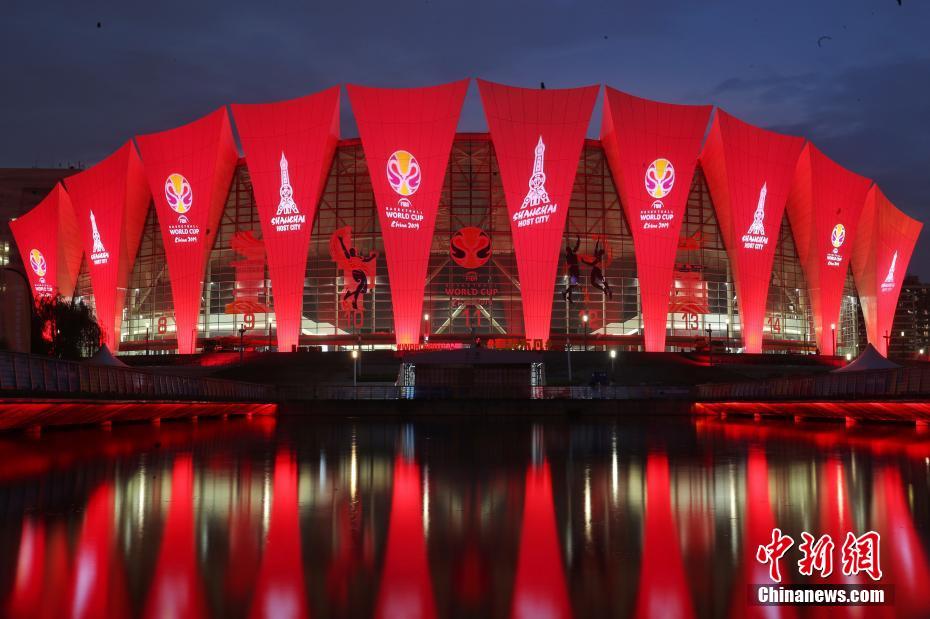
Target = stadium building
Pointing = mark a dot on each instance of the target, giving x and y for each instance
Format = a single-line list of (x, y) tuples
[(681, 228)]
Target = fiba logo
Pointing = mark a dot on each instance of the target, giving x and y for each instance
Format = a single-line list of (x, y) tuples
[(660, 178), (658, 204), (179, 194), (37, 262), (470, 247), (403, 173), (404, 202), (837, 237)]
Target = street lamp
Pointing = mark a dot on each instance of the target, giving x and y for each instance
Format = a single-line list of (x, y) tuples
[(833, 334), (242, 331), (354, 368), (613, 357), (710, 346), (584, 319)]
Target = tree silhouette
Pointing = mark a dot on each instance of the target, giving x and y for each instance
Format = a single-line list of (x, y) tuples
[(64, 329)]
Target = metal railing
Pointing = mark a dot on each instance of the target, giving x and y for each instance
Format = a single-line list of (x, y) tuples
[(23, 374), (391, 392), (900, 383)]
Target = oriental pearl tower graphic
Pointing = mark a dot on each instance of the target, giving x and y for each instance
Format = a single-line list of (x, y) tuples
[(286, 206), (98, 244), (537, 194), (758, 227)]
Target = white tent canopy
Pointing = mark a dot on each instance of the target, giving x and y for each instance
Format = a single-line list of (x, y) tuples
[(870, 359), (104, 357)]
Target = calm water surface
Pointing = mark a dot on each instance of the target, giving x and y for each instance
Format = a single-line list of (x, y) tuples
[(453, 518)]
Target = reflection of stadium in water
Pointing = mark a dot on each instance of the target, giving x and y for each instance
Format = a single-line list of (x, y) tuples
[(349, 519)]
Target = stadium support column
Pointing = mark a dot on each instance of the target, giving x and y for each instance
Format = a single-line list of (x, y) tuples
[(652, 151), (880, 258), (189, 170), (538, 136), (749, 173), (824, 207), (407, 136)]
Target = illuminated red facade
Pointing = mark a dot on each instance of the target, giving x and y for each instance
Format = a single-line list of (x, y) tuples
[(653, 148), (407, 135), (50, 245), (824, 206), (289, 149), (189, 170), (749, 171), (883, 248), (529, 235), (537, 137), (110, 201)]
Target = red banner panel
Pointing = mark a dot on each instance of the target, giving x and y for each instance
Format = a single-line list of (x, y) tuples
[(50, 245), (537, 135), (111, 201), (407, 136), (824, 206), (652, 149), (289, 148), (880, 255), (749, 171), (189, 171)]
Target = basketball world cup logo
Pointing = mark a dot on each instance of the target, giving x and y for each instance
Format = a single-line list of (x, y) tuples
[(403, 173), (660, 178), (37, 262), (179, 194), (470, 247), (838, 236)]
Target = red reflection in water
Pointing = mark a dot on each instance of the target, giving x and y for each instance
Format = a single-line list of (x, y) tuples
[(244, 552), (759, 522), (98, 587), (877, 440), (24, 414), (30, 570), (663, 590), (61, 450), (353, 552), (836, 520), (279, 593), (43, 570), (887, 411), (539, 590), (406, 591), (903, 560), (177, 591)]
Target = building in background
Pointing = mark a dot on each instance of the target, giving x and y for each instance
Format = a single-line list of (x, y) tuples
[(910, 335)]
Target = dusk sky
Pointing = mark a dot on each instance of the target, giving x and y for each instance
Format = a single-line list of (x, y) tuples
[(851, 75)]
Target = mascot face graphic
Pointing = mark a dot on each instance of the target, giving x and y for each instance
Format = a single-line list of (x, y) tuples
[(37, 262), (178, 193), (470, 247), (403, 173), (660, 178)]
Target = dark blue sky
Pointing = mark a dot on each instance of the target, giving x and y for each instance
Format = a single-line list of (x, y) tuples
[(74, 92)]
